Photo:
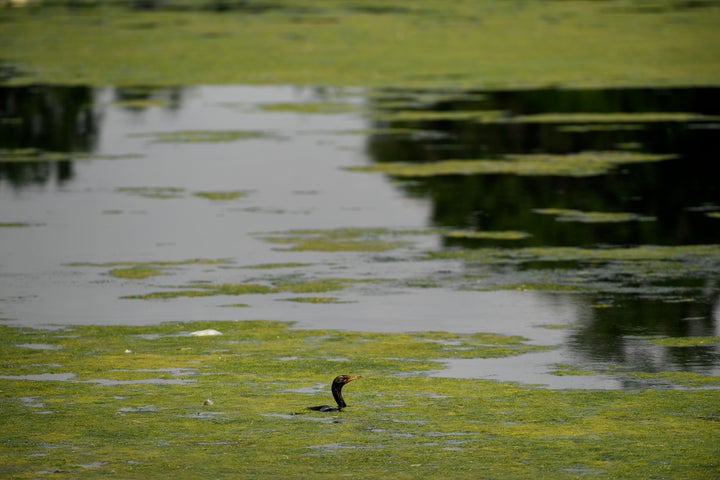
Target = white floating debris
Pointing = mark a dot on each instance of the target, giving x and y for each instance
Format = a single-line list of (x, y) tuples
[(127, 350), (205, 333), (208, 403)]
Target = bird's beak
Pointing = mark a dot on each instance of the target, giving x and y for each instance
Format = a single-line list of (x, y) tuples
[(350, 378)]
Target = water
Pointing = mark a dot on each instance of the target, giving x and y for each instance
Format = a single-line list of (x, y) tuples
[(116, 192)]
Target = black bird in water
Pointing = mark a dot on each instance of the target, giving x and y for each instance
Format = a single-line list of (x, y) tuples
[(336, 388)]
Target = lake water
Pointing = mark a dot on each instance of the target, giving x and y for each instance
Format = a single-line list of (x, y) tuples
[(105, 175)]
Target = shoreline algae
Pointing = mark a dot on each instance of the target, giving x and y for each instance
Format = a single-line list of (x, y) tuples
[(156, 401), (482, 44)]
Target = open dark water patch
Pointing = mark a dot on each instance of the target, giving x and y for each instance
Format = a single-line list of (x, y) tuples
[(488, 211)]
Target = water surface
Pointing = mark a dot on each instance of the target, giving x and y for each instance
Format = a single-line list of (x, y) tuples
[(103, 175)]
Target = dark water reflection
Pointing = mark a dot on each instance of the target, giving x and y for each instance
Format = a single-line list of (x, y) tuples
[(675, 193), (41, 119), (47, 133), (673, 196), (618, 335)]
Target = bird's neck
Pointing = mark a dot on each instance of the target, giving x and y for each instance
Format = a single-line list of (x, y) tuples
[(337, 395)]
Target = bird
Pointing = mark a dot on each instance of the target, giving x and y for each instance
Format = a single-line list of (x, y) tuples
[(336, 388)]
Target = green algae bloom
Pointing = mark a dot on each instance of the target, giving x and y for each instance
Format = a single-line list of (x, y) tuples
[(230, 195), (203, 136), (31, 155), (569, 215), (15, 224), (430, 43), (136, 272), (486, 235), (206, 291), (272, 266), (684, 379), (142, 270), (553, 326), (562, 369), (614, 118), (649, 270), (336, 240), (572, 165), (156, 401), (163, 193), (314, 300), (142, 103), (311, 107), (686, 341), (278, 286)]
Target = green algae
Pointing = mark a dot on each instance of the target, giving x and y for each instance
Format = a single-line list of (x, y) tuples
[(229, 195), (233, 289), (168, 193), (203, 136), (163, 193), (524, 286), (429, 43), (670, 272), (137, 406), (709, 253), (142, 270), (312, 107), (322, 300), (272, 266), (487, 235), (683, 379), (647, 270), (562, 369), (610, 127), (160, 263), (206, 291), (569, 215), (16, 224), (335, 240), (570, 121), (582, 164), (32, 155), (553, 326), (697, 341), (482, 116), (614, 118), (136, 272)]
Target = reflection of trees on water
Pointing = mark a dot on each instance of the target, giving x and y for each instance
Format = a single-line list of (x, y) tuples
[(39, 122), (663, 190), (42, 119), (619, 333), (673, 192), (140, 98)]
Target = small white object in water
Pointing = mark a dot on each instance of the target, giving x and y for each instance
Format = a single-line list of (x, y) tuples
[(205, 333), (127, 350), (208, 402)]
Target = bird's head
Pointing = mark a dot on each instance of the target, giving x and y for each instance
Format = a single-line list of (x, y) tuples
[(343, 379)]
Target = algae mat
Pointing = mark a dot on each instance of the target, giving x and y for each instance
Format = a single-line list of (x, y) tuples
[(151, 402), (477, 44)]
